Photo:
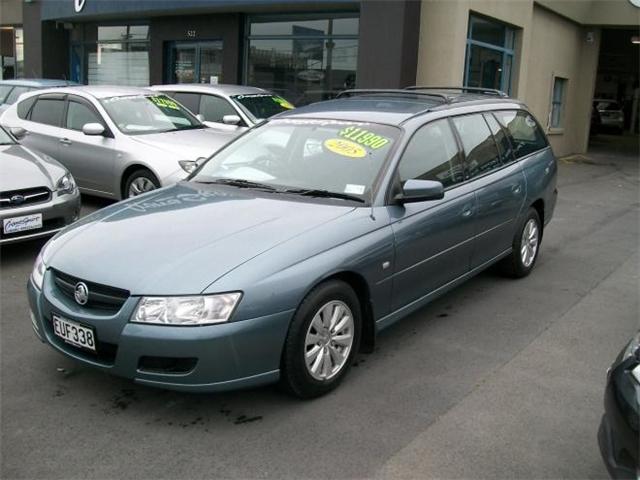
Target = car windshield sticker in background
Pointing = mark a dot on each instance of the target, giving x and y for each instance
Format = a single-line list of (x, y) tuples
[(283, 103), (164, 102), (345, 148), (364, 137)]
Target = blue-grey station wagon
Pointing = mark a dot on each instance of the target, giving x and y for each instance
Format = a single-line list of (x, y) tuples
[(287, 251)]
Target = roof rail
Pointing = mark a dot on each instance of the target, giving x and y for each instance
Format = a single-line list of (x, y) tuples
[(484, 91), (390, 91)]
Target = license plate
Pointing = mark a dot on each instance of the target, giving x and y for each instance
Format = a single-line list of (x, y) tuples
[(74, 333), (20, 224)]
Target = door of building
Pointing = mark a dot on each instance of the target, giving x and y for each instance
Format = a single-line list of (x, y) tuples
[(195, 62)]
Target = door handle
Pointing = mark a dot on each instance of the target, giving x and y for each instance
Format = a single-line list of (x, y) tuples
[(516, 189), (467, 211), (65, 141)]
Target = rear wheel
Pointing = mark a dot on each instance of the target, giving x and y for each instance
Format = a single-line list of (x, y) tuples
[(526, 245), (323, 339), (139, 182)]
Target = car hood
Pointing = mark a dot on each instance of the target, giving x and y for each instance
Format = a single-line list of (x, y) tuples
[(21, 168), (188, 144), (180, 239)]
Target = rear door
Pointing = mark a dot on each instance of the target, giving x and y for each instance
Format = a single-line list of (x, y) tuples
[(44, 124), (433, 239), (91, 158), (498, 182)]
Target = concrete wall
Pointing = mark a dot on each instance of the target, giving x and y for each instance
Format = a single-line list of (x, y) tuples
[(546, 42), (10, 12)]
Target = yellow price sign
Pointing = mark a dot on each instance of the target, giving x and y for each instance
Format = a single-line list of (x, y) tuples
[(283, 103), (164, 102), (345, 148)]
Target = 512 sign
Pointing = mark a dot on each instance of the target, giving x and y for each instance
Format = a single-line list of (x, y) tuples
[(191, 34)]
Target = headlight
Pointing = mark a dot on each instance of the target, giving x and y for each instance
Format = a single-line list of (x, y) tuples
[(66, 184), (633, 349), (192, 310), (37, 275), (189, 166)]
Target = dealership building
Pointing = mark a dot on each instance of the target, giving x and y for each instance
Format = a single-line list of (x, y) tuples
[(555, 55)]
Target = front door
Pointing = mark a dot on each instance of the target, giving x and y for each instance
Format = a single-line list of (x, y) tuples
[(195, 62), (433, 239)]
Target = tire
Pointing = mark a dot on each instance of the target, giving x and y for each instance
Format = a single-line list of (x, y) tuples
[(518, 264), (304, 378), (141, 180)]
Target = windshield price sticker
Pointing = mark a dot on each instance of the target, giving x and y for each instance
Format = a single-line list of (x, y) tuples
[(164, 102), (364, 137), (283, 103), (345, 148)]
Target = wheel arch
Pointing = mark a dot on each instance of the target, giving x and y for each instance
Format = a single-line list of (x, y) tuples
[(538, 206), (128, 171)]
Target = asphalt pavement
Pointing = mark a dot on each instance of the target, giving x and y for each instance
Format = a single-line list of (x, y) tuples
[(497, 379)]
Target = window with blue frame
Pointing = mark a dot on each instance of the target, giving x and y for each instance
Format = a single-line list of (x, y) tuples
[(490, 51), (557, 102)]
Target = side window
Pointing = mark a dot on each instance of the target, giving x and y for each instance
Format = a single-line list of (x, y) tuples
[(48, 111), (189, 100), (24, 106), (214, 108), (526, 135), (501, 138), (15, 93), (79, 114), (480, 149), (432, 154)]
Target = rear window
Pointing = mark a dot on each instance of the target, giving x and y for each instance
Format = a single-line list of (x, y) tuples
[(48, 111), (25, 105), (605, 105), (526, 135)]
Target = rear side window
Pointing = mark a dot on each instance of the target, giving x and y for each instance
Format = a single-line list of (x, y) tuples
[(15, 93), (48, 111), (526, 135), (479, 147), (432, 154), (25, 105), (501, 138), (78, 114), (4, 91), (214, 108), (189, 100)]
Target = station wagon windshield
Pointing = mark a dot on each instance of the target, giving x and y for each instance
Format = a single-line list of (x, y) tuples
[(262, 105), (304, 155), (144, 114)]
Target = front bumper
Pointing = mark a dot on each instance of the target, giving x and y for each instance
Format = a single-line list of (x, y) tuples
[(618, 432), (211, 358), (57, 213)]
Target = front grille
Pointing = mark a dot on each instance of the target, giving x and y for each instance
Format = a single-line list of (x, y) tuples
[(26, 196), (50, 224), (101, 297)]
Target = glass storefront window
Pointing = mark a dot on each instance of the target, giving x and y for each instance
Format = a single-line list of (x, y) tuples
[(304, 60), (490, 51), (195, 62), (11, 53)]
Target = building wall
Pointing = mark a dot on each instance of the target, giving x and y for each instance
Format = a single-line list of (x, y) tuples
[(546, 42), (10, 12)]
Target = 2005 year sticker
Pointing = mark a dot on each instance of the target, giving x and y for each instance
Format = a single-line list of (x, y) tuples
[(345, 148)]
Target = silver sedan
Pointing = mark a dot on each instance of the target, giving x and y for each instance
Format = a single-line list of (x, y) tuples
[(38, 196), (117, 142)]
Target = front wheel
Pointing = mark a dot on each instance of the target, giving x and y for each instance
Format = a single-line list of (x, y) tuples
[(139, 182), (526, 245), (323, 339)]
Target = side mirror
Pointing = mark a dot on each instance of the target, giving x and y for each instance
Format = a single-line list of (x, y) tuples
[(200, 117), (18, 132), (231, 120), (420, 191), (93, 129)]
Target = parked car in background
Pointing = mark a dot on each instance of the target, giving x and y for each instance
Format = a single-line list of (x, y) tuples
[(596, 122), (619, 431), (38, 196), (118, 142), (293, 245), (233, 105), (611, 115), (10, 90)]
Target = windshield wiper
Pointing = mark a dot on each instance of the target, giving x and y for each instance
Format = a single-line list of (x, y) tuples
[(238, 182), (323, 194)]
